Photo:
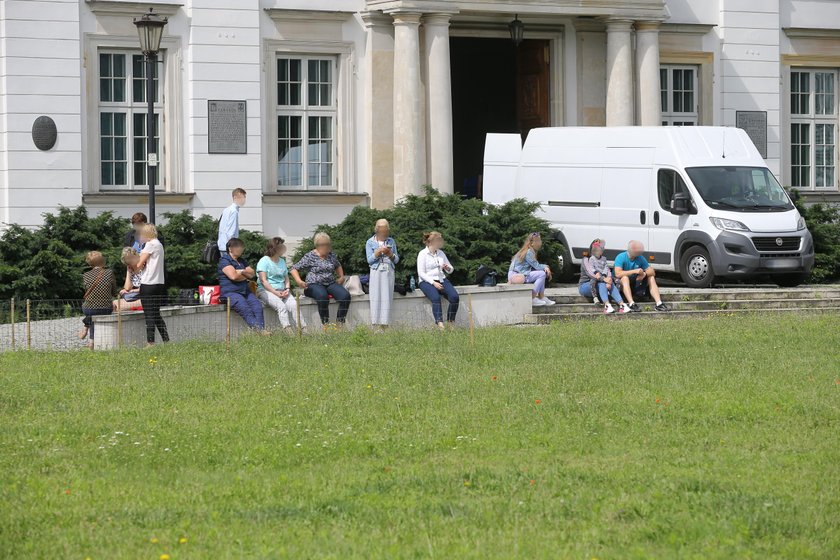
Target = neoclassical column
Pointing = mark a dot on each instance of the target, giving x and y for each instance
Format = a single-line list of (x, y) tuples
[(619, 73), (647, 73), (378, 108), (409, 125), (439, 101)]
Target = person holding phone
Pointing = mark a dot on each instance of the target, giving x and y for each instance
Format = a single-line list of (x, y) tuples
[(432, 268), (382, 256)]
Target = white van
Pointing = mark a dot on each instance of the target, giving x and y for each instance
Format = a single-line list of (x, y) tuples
[(701, 199)]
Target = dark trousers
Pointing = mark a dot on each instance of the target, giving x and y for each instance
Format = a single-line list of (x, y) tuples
[(448, 293), (152, 297), (90, 313), (249, 308), (321, 293)]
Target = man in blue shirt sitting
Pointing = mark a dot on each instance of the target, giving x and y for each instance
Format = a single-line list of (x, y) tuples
[(637, 276)]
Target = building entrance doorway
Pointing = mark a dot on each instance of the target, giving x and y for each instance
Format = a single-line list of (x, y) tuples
[(496, 87)]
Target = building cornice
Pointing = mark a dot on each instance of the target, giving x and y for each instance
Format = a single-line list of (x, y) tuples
[(129, 9), (811, 33), (687, 28), (652, 10), (285, 15)]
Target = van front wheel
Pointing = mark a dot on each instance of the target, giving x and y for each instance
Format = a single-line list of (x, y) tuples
[(696, 267)]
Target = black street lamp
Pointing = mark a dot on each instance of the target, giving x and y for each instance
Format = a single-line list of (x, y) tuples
[(517, 30), (150, 29)]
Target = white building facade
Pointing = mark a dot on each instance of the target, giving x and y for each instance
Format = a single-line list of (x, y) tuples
[(350, 102)]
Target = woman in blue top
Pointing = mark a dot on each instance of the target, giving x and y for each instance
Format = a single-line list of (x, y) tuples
[(273, 284), (234, 274), (382, 256), (525, 263)]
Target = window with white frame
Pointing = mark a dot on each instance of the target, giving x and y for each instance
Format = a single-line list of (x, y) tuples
[(306, 123), (813, 128), (680, 95), (122, 121)]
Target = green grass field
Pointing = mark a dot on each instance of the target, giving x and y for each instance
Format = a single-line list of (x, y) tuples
[(714, 438)]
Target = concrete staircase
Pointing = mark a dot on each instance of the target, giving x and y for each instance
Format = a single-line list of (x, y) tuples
[(687, 302)]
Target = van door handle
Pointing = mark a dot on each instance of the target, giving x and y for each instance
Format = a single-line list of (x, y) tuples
[(656, 217), (642, 217)]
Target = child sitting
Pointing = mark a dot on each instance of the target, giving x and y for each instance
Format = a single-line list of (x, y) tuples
[(601, 280)]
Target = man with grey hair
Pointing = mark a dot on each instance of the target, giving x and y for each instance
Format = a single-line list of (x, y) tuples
[(637, 277)]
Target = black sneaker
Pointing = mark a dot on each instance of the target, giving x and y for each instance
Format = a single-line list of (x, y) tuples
[(662, 308), (634, 308)]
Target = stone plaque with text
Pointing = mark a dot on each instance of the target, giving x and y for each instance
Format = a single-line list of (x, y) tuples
[(227, 127), (755, 125)]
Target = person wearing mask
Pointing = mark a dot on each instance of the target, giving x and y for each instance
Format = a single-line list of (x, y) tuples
[(229, 222), (432, 268)]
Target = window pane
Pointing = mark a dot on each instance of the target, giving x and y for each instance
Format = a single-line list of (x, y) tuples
[(320, 83), (288, 81), (800, 134), (663, 88), (289, 156)]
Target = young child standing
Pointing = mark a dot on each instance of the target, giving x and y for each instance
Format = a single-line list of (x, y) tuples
[(601, 282)]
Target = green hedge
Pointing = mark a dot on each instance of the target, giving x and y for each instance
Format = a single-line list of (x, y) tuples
[(47, 263), (476, 233), (823, 222)]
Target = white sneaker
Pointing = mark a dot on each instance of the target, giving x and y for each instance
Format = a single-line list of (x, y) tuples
[(608, 309), (596, 301), (625, 308), (549, 301), (537, 302)]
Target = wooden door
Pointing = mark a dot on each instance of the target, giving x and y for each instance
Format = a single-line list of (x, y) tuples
[(532, 85)]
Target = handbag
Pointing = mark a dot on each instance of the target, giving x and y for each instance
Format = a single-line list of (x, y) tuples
[(353, 285), (187, 297), (211, 254), (209, 295)]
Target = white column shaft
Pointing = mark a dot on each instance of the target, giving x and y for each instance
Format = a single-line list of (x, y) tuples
[(439, 105), (619, 73), (409, 129), (647, 73)]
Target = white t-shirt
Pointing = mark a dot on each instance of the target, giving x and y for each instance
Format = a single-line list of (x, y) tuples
[(153, 273)]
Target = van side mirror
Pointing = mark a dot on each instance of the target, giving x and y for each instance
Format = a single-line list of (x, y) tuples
[(681, 204)]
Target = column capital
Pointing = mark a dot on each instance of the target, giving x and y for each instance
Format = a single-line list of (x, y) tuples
[(648, 26), (373, 19), (615, 24), (410, 19), (437, 19)]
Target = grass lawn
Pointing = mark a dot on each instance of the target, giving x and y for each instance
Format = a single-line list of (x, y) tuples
[(714, 438)]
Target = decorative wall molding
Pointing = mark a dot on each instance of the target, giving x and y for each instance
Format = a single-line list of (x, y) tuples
[(132, 9)]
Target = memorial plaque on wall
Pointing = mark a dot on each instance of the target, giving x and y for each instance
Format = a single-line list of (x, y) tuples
[(755, 124), (227, 127)]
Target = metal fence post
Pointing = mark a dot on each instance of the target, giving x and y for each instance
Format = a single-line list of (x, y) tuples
[(12, 311), (227, 300), (297, 305), (472, 321), (28, 327), (119, 323)]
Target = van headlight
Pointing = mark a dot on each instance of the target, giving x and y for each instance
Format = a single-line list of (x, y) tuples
[(729, 225), (800, 224)]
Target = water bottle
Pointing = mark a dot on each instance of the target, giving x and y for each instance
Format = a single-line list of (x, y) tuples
[(411, 283)]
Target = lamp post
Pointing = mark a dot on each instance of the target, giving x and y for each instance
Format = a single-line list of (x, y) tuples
[(517, 30), (150, 29)]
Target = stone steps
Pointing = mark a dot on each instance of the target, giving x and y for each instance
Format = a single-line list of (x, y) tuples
[(689, 303)]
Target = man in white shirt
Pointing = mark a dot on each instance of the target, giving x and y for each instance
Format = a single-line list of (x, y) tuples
[(229, 222)]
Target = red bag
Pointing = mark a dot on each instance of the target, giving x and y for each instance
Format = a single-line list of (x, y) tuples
[(209, 295)]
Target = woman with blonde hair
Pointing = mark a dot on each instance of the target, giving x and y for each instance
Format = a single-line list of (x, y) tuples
[(324, 278), (152, 283), (273, 288), (99, 289), (129, 299), (525, 263), (382, 256), (432, 269)]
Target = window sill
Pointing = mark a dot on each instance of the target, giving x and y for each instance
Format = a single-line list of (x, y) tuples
[(823, 195), (315, 197), (136, 197)]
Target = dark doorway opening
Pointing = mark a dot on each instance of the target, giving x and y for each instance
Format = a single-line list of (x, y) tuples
[(496, 87)]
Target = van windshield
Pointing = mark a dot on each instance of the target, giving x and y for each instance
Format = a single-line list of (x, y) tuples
[(740, 189)]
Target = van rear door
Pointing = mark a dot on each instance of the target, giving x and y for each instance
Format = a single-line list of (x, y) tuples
[(502, 154), (625, 207)]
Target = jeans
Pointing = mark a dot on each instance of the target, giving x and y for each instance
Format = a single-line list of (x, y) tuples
[(249, 308), (447, 293), (286, 308), (152, 297), (92, 312), (604, 294), (321, 293)]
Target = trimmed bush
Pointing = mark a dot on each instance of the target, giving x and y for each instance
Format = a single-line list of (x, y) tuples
[(476, 233), (823, 222)]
